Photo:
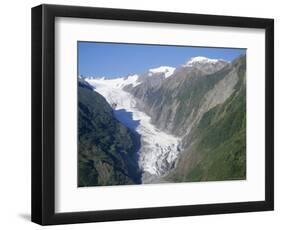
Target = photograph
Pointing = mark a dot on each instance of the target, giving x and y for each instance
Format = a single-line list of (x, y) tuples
[(151, 114), (142, 114)]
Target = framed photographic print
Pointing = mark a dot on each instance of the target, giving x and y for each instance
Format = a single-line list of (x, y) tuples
[(143, 114)]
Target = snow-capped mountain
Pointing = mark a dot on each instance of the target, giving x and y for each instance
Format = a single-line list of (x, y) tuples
[(165, 106), (179, 103), (201, 60), (205, 64), (161, 73), (153, 77), (159, 150)]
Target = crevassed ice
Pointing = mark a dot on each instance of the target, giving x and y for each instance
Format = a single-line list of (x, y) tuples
[(158, 150)]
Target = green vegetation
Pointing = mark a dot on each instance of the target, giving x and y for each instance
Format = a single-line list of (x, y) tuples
[(106, 148), (213, 150), (219, 141), (222, 146)]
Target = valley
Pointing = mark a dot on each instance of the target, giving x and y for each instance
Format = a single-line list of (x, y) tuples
[(159, 150), (182, 124)]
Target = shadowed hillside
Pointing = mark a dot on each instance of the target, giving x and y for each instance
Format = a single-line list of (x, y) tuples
[(107, 149)]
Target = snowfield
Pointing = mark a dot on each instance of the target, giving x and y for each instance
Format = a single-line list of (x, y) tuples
[(166, 70), (159, 150)]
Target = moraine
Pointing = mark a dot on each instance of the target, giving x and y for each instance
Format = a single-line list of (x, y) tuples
[(159, 151)]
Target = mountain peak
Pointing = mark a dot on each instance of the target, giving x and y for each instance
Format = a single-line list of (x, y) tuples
[(202, 60), (166, 70)]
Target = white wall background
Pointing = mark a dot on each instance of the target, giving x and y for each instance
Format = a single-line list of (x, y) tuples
[(15, 114)]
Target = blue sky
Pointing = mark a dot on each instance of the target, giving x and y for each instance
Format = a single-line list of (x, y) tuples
[(117, 59)]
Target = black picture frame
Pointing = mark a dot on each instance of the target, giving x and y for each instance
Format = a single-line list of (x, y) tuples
[(43, 114)]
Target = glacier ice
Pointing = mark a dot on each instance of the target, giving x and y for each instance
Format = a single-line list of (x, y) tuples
[(159, 150)]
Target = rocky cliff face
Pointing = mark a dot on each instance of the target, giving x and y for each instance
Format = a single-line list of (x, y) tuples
[(173, 103), (216, 144), (179, 104)]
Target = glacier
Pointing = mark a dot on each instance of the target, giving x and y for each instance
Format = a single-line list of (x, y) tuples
[(159, 150)]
